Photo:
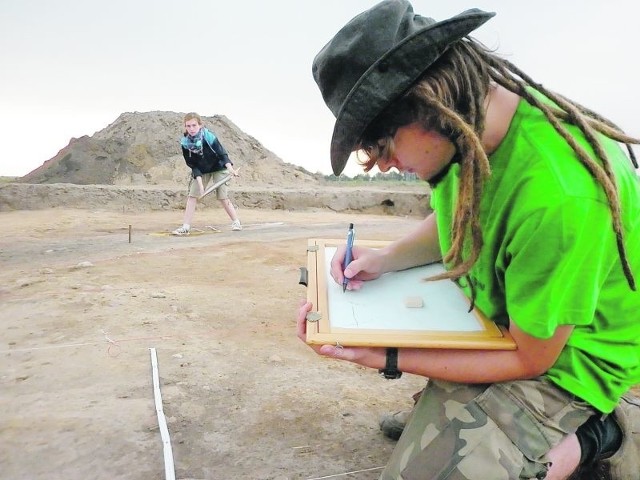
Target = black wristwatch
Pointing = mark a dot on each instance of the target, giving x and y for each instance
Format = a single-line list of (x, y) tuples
[(390, 370)]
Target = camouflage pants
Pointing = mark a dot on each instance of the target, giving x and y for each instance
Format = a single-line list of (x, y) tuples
[(484, 432)]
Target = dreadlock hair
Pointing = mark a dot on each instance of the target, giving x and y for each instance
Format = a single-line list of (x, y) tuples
[(449, 99)]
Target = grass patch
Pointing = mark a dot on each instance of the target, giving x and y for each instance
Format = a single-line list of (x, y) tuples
[(8, 179)]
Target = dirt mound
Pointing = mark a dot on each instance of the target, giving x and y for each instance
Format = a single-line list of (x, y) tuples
[(143, 149)]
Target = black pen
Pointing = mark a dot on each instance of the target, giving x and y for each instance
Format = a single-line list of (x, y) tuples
[(348, 255)]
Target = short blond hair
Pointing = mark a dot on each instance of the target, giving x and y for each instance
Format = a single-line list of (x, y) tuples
[(193, 116)]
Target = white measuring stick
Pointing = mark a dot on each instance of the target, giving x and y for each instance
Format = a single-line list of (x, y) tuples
[(169, 469)]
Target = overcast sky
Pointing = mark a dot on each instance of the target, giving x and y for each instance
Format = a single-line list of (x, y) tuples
[(70, 67)]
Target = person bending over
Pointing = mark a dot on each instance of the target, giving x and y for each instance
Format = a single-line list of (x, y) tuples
[(536, 214), (209, 162)]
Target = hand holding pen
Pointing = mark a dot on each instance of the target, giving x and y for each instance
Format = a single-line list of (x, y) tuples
[(364, 264), (348, 255)]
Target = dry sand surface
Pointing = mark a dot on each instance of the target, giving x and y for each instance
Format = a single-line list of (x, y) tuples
[(82, 306), (243, 397)]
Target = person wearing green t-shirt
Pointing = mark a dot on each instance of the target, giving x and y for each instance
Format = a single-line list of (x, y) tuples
[(536, 215)]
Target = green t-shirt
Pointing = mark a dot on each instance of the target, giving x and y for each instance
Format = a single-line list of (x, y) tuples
[(550, 257)]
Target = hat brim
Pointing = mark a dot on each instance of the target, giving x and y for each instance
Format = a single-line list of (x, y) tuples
[(391, 75)]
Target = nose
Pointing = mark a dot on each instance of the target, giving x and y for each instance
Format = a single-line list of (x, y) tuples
[(386, 164)]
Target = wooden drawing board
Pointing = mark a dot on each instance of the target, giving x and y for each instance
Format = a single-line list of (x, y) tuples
[(399, 309)]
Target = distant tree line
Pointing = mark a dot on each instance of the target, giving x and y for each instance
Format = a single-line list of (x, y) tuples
[(392, 176)]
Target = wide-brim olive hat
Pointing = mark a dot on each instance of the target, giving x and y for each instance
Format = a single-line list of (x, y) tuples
[(374, 59)]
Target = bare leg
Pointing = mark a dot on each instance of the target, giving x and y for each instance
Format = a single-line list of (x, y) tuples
[(189, 210), (228, 207), (565, 458)]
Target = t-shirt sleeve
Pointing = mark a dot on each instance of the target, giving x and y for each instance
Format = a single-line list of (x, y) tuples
[(562, 252)]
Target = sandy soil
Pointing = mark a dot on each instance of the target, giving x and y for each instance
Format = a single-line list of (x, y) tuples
[(244, 399)]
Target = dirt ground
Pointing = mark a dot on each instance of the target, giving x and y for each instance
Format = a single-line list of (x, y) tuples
[(82, 304)]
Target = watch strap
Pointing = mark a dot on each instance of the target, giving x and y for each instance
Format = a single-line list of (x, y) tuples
[(390, 370)]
